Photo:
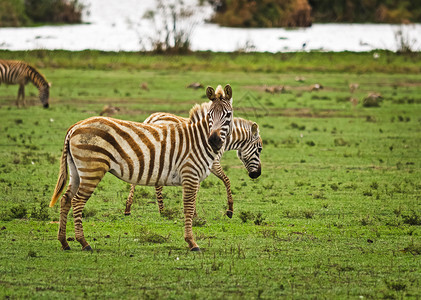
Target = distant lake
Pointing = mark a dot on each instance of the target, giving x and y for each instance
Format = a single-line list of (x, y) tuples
[(119, 26)]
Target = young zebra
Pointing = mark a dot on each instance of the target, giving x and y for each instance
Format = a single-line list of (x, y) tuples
[(244, 138), (143, 154), (19, 72)]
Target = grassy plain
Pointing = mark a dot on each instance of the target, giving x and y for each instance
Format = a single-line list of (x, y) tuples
[(336, 213)]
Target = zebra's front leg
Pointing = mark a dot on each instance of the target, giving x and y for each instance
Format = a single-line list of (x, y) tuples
[(159, 198), (219, 172), (129, 200), (190, 188), (21, 94)]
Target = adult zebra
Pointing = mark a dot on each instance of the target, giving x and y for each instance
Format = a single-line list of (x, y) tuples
[(19, 72), (244, 138), (144, 154)]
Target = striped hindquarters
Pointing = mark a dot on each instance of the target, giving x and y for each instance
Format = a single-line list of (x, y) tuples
[(139, 153)]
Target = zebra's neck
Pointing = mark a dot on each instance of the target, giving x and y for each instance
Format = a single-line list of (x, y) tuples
[(37, 79), (201, 131), (241, 132)]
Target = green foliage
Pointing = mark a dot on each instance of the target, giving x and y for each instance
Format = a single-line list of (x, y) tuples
[(18, 211), (41, 212), (54, 11), (19, 13), (301, 13), (268, 13), (360, 11), (12, 13)]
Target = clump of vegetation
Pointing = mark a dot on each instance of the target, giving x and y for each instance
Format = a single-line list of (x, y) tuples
[(18, 212), (32, 253), (259, 219), (170, 213), (296, 126), (54, 11), (340, 142), (148, 236), (395, 285), (414, 249), (413, 218), (270, 13), (89, 212), (308, 214), (199, 222), (28, 12), (372, 100), (245, 216), (173, 24), (12, 13), (40, 213)]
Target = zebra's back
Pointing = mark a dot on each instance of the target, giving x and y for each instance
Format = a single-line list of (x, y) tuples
[(134, 152)]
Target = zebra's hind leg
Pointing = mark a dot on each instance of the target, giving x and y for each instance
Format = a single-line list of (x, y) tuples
[(129, 200), (65, 204), (190, 188), (78, 203), (219, 172)]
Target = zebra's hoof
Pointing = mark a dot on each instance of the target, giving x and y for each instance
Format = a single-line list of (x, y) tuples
[(87, 248), (127, 213), (229, 214), (66, 248), (196, 249)]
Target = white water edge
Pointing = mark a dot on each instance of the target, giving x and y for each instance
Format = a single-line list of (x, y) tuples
[(119, 26)]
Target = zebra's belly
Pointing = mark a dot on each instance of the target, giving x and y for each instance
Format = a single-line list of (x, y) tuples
[(173, 179)]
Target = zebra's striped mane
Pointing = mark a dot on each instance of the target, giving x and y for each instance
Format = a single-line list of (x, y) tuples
[(199, 112), (41, 82), (242, 123)]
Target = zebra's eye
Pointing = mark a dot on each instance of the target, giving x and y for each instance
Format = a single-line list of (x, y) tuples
[(229, 114), (259, 149)]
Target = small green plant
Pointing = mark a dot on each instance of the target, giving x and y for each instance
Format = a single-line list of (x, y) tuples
[(340, 142), (308, 214), (18, 212), (148, 236), (32, 253), (199, 222), (170, 213), (395, 285), (412, 218), (245, 216), (40, 213), (259, 219)]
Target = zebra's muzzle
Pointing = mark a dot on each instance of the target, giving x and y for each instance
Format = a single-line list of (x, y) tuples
[(215, 142), (46, 105), (255, 174)]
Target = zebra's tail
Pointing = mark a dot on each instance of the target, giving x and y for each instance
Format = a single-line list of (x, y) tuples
[(62, 177)]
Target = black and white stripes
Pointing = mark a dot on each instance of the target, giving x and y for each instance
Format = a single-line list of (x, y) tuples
[(143, 154), (18, 72)]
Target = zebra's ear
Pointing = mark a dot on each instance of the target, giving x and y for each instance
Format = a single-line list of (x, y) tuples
[(228, 92), (255, 129), (210, 93)]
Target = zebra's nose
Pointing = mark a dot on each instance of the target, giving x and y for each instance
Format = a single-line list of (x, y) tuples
[(255, 174), (46, 105), (215, 142)]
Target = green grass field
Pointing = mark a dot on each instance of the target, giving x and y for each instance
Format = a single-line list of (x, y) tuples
[(335, 214)]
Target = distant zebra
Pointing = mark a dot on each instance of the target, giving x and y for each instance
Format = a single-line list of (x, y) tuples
[(19, 72), (143, 154), (244, 138)]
